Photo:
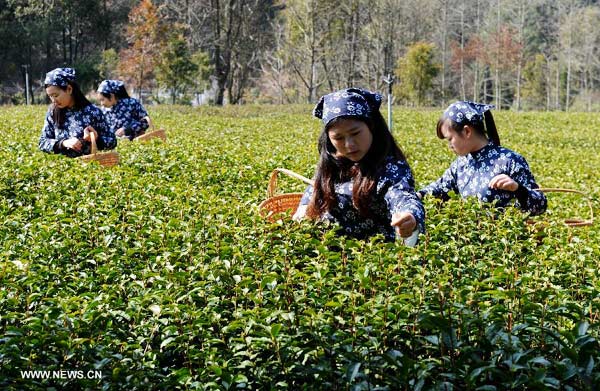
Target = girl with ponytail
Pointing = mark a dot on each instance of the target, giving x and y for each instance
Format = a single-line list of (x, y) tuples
[(483, 168)]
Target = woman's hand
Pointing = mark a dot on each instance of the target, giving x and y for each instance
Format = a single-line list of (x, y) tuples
[(405, 223), (88, 131), (120, 132), (72, 143), (503, 182), (300, 213)]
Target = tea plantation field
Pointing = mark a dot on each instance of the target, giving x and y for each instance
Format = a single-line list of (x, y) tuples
[(160, 273)]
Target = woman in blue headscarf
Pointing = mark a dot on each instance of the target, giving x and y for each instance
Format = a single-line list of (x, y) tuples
[(125, 115), (71, 118), (483, 168), (362, 181)]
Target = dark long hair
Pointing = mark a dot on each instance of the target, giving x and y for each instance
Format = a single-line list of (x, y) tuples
[(58, 114), (486, 128), (364, 174), (120, 94)]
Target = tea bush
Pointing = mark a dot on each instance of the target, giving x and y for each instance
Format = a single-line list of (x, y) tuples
[(160, 274)]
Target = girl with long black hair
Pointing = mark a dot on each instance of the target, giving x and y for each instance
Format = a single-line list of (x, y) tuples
[(71, 118), (362, 181)]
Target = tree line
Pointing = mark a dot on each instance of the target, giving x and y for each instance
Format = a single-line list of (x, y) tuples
[(534, 55)]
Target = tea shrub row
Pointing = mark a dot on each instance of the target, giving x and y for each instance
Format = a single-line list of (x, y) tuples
[(160, 274)]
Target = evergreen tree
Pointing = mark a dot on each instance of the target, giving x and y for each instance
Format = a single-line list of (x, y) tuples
[(535, 86), (176, 68), (417, 70)]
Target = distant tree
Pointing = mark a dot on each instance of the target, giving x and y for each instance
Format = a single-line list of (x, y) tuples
[(107, 67), (467, 57), (276, 84), (42, 35), (502, 55), (176, 68), (521, 53), (444, 27), (87, 72), (535, 83), (294, 50), (203, 72), (145, 35), (304, 45), (417, 70), (343, 41), (580, 41), (235, 34)]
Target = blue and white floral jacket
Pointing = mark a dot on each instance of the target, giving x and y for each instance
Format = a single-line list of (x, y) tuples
[(127, 113), (395, 193), (470, 175), (74, 124)]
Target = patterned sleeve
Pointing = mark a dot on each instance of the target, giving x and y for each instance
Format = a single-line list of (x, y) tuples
[(400, 196), (441, 187), (106, 138), (141, 110), (303, 205), (529, 199), (136, 124), (109, 119), (48, 139), (306, 196)]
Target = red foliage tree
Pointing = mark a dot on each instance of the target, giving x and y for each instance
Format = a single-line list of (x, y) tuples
[(145, 34), (465, 56), (503, 51)]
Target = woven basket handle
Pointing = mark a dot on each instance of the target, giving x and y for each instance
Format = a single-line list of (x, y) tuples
[(273, 180), (573, 222), (93, 141), (151, 126)]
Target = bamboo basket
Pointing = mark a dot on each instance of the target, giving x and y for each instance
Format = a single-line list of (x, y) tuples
[(281, 203), (575, 221), (106, 159), (160, 133)]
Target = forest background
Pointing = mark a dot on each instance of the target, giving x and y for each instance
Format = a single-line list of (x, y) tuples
[(534, 55)]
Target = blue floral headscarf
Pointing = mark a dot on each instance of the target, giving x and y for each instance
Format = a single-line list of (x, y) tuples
[(110, 86), (465, 112), (353, 102), (60, 77)]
